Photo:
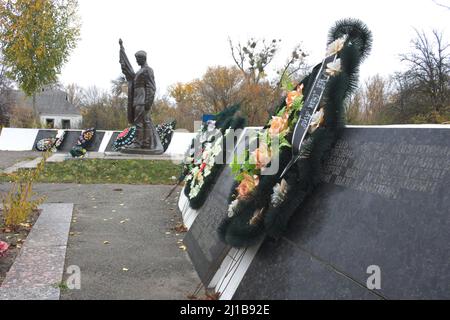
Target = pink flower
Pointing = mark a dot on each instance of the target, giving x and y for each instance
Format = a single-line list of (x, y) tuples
[(3, 248), (247, 185), (278, 125), (262, 156), (291, 96)]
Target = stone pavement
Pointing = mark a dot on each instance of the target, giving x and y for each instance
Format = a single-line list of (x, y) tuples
[(122, 241), (9, 158), (37, 271)]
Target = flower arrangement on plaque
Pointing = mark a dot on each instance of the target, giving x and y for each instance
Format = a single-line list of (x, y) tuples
[(202, 166), (165, 132), (52, 144), (304, 128), (87, 137)]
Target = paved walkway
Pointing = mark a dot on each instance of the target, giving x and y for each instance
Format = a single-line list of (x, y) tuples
[(121, 239), (9, 158), (38, 269)]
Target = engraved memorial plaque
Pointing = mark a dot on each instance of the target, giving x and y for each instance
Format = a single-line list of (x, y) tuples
[(384, 202)]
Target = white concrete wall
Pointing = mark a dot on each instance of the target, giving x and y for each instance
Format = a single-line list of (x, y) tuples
[(75, 120), (13, 139), (180, 143)]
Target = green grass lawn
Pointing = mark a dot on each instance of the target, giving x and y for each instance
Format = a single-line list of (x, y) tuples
[(99, 171)]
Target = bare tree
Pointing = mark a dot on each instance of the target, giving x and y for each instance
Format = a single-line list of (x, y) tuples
[(254, 57), (295, 67), (429, 68), (75, 94)]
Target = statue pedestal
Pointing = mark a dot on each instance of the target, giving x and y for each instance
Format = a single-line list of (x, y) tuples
[(141, 151)]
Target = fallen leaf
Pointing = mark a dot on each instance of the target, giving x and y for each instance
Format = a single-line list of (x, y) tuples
[(183, 247), (180, 228), (25, 225)]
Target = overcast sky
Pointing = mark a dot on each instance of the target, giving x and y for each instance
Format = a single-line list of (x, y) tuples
[(182, 37)]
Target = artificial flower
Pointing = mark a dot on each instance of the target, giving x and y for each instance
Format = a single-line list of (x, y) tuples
[(257, 217), (232, 208), (336, 46), (279, 193), (3, 248), (278, 125), (247, 185), (262, 156), (334, 68), (316, 121), (291, 96), (211, 125)]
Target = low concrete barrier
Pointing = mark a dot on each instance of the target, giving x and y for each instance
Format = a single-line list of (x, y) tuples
[(15, 139)]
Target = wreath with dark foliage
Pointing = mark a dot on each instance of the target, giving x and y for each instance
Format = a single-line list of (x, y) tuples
[(165, 132), (85, 140), (125, 138), (270, 201), (200, 170), (47, 144)]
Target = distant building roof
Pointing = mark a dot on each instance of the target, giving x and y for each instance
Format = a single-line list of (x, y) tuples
[(48, 102)]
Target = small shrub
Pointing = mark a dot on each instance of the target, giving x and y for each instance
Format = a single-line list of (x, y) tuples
[(21, 201)]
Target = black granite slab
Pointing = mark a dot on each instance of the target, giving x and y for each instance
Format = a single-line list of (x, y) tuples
[(43, 134), (109, 147), (384, 201), (283, 271), (70, 139), (205, 249)]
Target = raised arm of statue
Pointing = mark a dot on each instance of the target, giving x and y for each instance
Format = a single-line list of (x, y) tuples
[(127, 69)]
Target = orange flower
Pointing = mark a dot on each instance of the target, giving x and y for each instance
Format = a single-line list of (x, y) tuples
[(262, 156), (291, 98), (247, 185), (278, 125), (294, 95)]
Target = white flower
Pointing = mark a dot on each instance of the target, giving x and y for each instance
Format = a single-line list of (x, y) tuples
[(279, 193), (316, 120), (211, 125), (334, 68), (232, 208), (194, 192), (336, 46), (217, 148)]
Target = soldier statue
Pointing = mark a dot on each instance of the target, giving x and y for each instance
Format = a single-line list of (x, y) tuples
[(141, 94)]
